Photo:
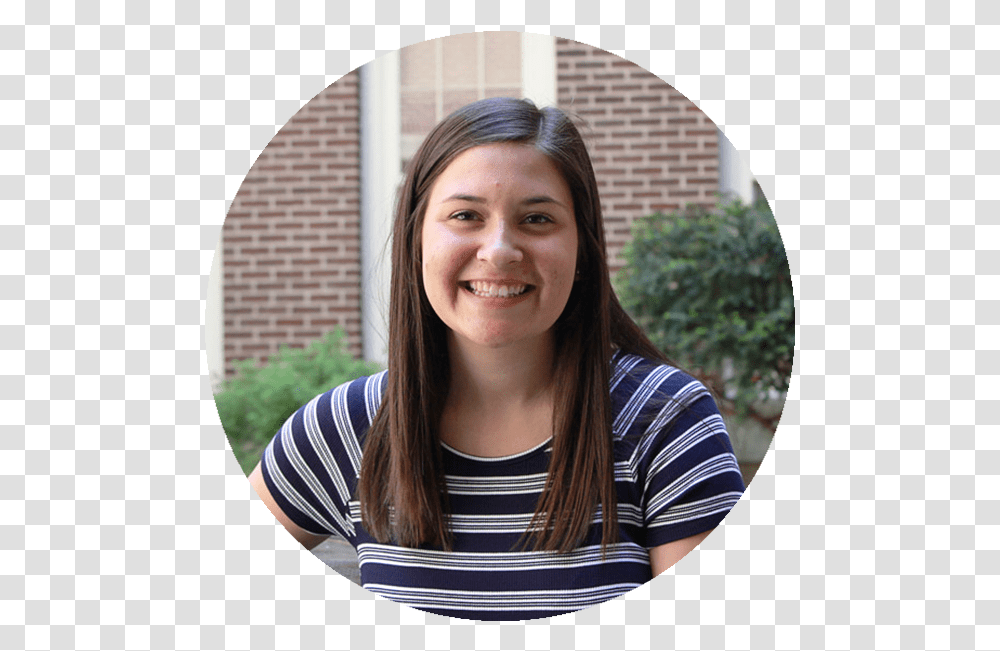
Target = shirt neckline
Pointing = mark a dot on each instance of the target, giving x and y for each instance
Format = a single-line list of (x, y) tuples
[(509, 457)]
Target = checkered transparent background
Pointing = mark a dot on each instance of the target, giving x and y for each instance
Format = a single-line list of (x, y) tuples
[(126, 128)]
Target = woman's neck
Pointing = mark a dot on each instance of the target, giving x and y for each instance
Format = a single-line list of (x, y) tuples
[(499, 399), (500, 379)]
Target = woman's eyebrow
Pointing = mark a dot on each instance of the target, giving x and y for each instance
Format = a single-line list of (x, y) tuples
[(464, 197), (530, 201)]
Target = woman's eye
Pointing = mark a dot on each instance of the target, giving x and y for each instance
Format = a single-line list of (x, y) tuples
[(537, 219), (463, 216)]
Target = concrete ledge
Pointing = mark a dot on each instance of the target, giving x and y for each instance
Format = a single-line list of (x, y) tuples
[(340, 556)]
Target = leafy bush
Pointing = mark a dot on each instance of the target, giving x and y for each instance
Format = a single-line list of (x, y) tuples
[(710, 288), (257, 401)]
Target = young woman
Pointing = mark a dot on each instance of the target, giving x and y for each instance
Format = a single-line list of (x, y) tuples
[(528, 452)]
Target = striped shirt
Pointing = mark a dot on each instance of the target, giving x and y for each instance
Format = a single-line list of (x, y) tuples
[(675, 474)]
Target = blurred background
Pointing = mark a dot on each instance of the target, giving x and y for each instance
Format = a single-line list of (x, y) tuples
[(300, 283)]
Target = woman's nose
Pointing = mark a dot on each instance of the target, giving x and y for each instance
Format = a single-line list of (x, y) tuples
[(500, 247)]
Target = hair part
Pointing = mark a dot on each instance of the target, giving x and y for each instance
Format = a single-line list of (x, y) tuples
[(402, 486)]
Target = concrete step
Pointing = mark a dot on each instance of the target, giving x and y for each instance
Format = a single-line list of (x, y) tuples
[(340, 556)]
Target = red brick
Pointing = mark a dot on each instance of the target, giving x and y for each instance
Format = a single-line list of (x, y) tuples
[(306, 184), (665, 207), (664, 141)]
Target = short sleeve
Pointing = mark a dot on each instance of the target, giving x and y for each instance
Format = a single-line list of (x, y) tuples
[(691, 478), (311, 466)]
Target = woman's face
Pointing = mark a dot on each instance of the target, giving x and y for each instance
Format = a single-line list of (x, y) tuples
[(499, 243)]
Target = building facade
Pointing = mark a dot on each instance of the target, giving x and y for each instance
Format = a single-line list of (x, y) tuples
[(305, 245)]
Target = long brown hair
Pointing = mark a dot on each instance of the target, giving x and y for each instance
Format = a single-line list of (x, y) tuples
[(402, 486)]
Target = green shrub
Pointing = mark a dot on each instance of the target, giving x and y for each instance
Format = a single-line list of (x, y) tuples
[(255, 403), (713, 285)]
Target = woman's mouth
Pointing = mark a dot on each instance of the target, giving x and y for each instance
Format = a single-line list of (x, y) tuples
[(495, 290)]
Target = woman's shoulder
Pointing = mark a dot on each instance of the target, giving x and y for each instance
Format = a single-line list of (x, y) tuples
[(362, 394), (651, 397), (312, 463), (350, 405), (333, 423), (635, 373)]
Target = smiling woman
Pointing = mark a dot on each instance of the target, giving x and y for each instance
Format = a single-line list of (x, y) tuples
[(528, 451)]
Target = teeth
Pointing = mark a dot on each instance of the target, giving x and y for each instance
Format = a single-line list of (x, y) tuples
[(496, 291)]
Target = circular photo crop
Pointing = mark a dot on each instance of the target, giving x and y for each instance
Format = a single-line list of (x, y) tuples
[(504, 326)]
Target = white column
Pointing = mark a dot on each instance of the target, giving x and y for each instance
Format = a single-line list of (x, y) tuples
[(213, 319), (380, 176), (735, 178), (538, 68)]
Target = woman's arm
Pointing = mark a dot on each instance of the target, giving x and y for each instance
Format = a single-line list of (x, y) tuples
[(664, 556), (306, 539)]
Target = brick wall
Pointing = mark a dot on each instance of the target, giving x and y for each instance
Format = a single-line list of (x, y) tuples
[(291, 248), (652, 149)]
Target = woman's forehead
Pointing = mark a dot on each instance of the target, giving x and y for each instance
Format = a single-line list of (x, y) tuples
[(501, 164)]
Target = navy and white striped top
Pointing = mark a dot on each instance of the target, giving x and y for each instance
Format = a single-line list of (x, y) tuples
[(675, 473)]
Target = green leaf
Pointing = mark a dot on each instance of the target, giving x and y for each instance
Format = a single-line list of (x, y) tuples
[(712, 285), (257, 400)]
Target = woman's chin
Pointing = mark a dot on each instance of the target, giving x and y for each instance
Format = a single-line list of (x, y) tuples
[(495, 338)]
